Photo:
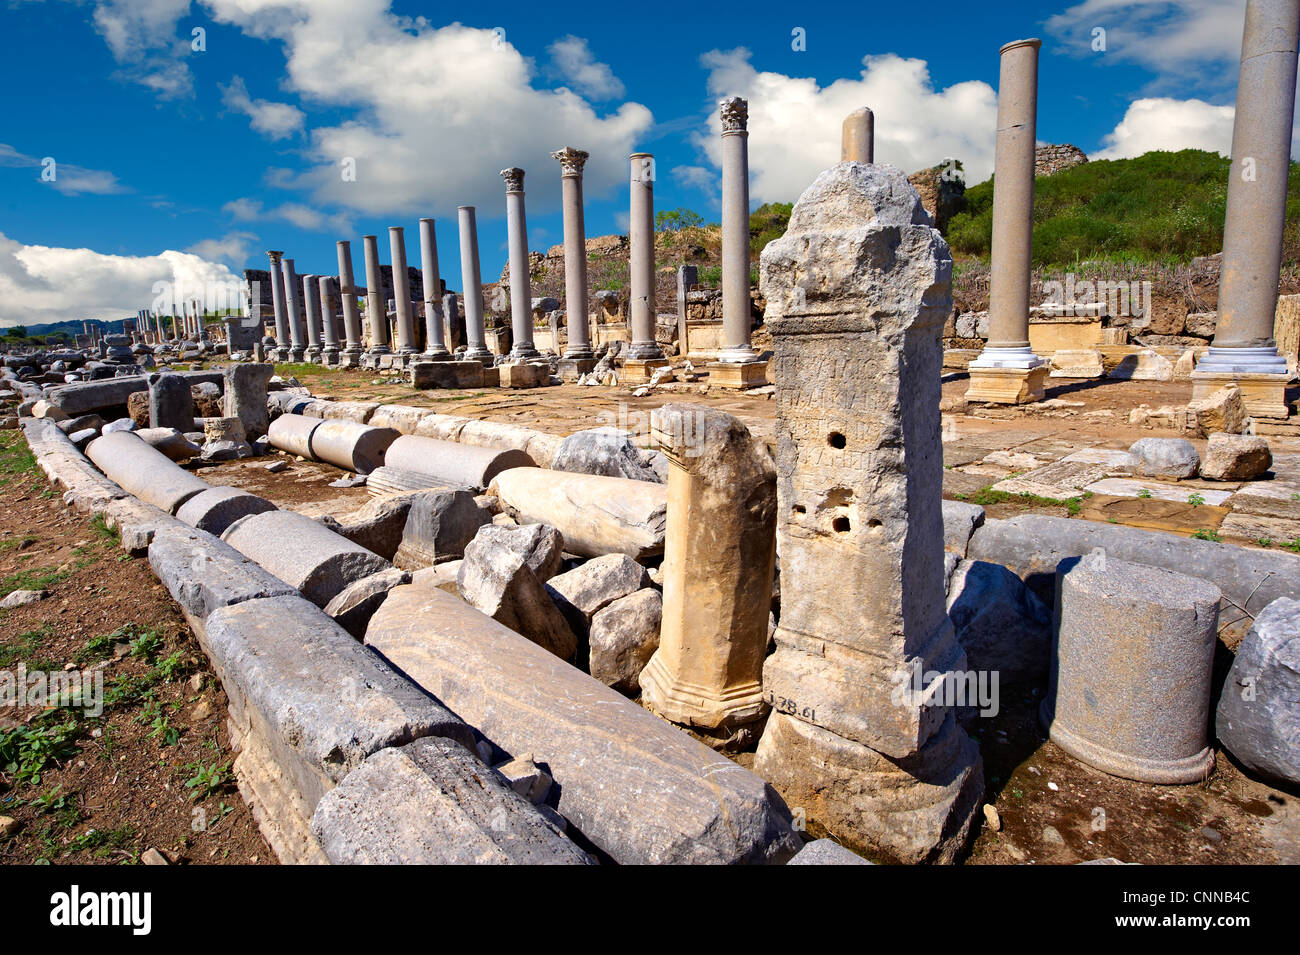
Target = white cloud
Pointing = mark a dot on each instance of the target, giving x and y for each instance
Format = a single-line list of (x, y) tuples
[(233, 248), (245, 209), (40, 284), (1169, 124), (572, 60), (69, 179), (142, 37), (794, 124), (697, 177), (273, 120)]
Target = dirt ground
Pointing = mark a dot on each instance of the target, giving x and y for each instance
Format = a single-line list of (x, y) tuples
[(152, 771)]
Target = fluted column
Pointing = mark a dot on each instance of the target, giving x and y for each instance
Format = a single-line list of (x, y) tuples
[(311, 312), (1007, 370), (575, 253), (1256, 205), (351, 314), (475, 339), (521, 286), (328, 292), (858, 137), (402, 292), (375, 313), (736, 307), (435, 343), (641, 259)]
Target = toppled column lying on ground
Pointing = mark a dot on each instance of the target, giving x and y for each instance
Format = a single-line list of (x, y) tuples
[(144, 471), (413, 462), (857, 292)]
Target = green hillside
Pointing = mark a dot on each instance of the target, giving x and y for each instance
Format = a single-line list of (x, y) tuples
[(1158, 207)]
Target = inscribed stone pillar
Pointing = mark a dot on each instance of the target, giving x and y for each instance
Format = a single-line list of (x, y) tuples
[(469, 274), (376, 317), (329, 294), (579, 358), (1007, 371), (687, 276), (857, 293), (402, 292), (858, 137), (435, 343), (311, 312), (521, 286), (351, 314), (736, 307), (644, 355), (719, 555), (297, 327), (455, 322), (1243, 350)]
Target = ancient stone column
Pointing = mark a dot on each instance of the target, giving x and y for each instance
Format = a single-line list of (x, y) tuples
[(297, 329), (644, 355), (1007, 370), (435, 342), (328, 294), (475, 347), (455, 323), (351, 314), (311, 305), (687, 275), (736, 306), (719, 552), (858, 137), (855, 313), (402, 292), (1243, 349), (579, 358), (521, 286), (376, 317)]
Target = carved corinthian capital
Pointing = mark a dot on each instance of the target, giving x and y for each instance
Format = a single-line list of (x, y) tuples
[(514, 177), (735, 114), (571, 161)]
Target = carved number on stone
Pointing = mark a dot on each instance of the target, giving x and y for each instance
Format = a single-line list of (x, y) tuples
[(783, 705)]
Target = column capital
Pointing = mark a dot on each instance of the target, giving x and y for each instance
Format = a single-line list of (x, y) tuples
[(571, 161), (274, 255), (514, 177), (735, 115), (1032, 41)]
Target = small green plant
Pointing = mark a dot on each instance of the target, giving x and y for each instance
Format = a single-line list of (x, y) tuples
[(26, 751), (172, 666), (1196, 500), (99, 525), (98, 648), (1293, 545), (1205, 534), (1265, 542), (1144, 493), (146, 644), (207, 779), (101, 842)]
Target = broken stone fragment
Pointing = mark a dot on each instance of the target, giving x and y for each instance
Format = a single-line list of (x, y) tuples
[(623, 637), (1236, 457), (1174, 458)]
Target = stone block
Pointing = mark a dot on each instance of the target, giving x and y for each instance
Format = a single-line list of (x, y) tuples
[(1236, 457), (439, 526), (202, 574), (623, 637), (1007, 386), (1174, 458), (446, 374), (999, 622)]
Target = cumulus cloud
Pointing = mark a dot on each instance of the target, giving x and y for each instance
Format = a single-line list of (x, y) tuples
[(273, 120), (69, 179), (245, 209), (572, 61), (794, 123), (1171, 124), (233, 248), (141, 34), (40, 284)]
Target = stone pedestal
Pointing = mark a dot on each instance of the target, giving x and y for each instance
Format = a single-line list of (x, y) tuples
[(729, 374), (720, 549), (1076, 363), (860, 529), (638, 371), (571, 369), (1007, 386), (1264, 395)]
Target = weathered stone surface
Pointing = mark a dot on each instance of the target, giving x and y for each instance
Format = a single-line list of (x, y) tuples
[(351, 446), (606, 451), (20, 598), (170, 402), (1235, 457), (1258, 719), (597, 515), (137, 408), (377, 525), (170, 442), (432, 802), (827, 852), (83, 396), (526, 778), (79, 423), (245, 396), (452, 463), (1224, 410), (224, 440), (595, 584), (439, 526), (357, 602), (447, 374), (959, 522), (217, 508), (640, 790), (304, 553), (624, 636), (524, 374), (1000, 624), (292, 433), (139, 469), (502, 575), (203, 574), (1165, 458), (1130, 681)]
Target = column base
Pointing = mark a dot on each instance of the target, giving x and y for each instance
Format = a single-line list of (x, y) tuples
[(730, 374), (580, 352), (313, 353), (638, 371), (1077, 363), (1006, 386), (440, 354), (668, 696), (297, 353), (1193, 768), (1264, 395), (524, 351), (480, 354), (281, 353), (571, 369), (350, 358), (738, 354)]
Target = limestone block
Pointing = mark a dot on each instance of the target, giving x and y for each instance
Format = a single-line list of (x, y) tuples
[(959, 522), (640, 790), (597, 515), (351, 446), (1223, 410), (1165, 458), (139, 469), (376, 526), (217, 508), (1130, 681), (170, 442), (446, 374), (582, 592), (623, 638), (1258, 720), (357, 602), (827, 852), (245, 396), (202, 574), (1236, 457), (432, 802), (524, 375), (224, 440), (439, 526), (302, 552), (170, 403), (606, 451), (1146, 364)]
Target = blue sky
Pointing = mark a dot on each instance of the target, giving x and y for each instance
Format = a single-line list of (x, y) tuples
[(180, 164)]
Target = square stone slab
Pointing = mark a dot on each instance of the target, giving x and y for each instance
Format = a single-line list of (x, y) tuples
[(1123, 487)]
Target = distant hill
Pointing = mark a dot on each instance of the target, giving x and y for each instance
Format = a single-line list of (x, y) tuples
[(1164, 207)]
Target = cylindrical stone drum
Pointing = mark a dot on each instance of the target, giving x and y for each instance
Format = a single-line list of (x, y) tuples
[(292, 433), (453, 463), (352, 446)]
